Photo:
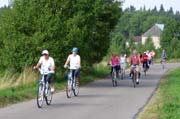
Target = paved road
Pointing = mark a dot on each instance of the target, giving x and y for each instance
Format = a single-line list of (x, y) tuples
[(98, 100)]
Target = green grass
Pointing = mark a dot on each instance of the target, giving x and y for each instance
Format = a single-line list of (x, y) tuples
[(25, 89), (165, 104)]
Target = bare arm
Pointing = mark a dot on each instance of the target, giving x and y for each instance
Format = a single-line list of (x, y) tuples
[(37, 65), (67, 62), (79, 62)]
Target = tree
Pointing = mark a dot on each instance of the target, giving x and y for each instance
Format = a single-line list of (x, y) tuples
[(161, 10), (170, 11), (31, 26)]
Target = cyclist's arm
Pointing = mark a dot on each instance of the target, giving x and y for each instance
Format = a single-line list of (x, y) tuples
[(38, 64), (67, 62), (53, 66), (79, 62)]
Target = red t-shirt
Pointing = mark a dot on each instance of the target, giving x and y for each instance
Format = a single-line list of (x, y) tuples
[(145, 58), (135, 59)]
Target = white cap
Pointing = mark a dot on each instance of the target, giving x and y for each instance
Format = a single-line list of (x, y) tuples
[(45, 52)]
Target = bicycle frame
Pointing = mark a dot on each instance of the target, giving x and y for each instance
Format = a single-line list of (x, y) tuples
[(114, 73), (43, 90), (72, 79), (72, 85)]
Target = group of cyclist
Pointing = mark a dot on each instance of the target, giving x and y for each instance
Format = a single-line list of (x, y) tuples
[(47, 64), (118, 62), (135, 61)]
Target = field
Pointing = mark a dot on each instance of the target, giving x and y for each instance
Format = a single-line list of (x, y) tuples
[(165, 104)]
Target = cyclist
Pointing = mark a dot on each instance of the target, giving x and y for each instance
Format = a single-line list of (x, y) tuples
[(47, 65), (163, 56), (135, 62), (123, 60), (149, 57), (75, 63), (152, 56), (114, 61), (145, 61)]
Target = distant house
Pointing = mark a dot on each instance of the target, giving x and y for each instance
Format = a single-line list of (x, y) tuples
[(154, 33)]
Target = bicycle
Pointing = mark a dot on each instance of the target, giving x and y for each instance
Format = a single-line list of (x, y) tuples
[(114, 76), (122, 71), (163, 63), (44, 90), (72, 84), (134, 77), (145, 67)]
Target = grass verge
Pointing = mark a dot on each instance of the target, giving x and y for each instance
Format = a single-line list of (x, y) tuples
[(165, 104), (14, 89)]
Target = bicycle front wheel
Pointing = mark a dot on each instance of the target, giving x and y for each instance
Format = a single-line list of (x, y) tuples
[(76, 88), (69, 89), (48, 96), (134, 80), (40, 95)]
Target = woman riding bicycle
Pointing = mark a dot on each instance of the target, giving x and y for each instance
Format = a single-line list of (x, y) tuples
[(135, 62), (122, 61), (163, 56), (114, 61), (75, 62), (47, 65)]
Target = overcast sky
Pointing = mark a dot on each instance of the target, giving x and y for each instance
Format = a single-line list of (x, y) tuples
[(138, 3), (3, 2), (151, 3)]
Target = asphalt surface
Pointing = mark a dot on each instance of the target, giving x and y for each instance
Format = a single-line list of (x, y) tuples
[(97, 100)]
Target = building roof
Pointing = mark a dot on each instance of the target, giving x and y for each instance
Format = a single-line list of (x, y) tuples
[(161, 26), (155, 30), (137, 38)]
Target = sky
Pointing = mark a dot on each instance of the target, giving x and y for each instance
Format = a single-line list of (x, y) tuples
[(138, 3), (175, 4), (3, 2)]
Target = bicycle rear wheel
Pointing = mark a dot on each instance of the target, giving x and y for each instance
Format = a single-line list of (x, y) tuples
[(122, 74), (76, 88), (69, 89), (40, 95), (113, 79), (134, 80), (48, 96)]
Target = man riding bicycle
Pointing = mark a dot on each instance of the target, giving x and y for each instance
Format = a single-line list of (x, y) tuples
[(75, 62), (135, 62), (47, 65)]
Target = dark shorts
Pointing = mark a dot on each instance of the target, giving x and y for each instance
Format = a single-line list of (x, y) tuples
[(145, 65), (75, 72), (116, 67), (49, 78)]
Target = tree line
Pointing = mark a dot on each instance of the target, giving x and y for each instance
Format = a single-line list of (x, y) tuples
[(136, 22)]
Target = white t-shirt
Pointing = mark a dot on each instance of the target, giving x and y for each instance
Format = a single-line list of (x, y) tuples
[(149, 56), (122, 60), (74, 61), (46, 64)]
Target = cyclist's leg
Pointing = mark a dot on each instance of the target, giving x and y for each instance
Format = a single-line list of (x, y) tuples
[(137, 73), (117, 67), (77, 72), (131, 70), (50, 81)]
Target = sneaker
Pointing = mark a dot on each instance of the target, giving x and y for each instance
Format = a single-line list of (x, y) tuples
[(52, 90)]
